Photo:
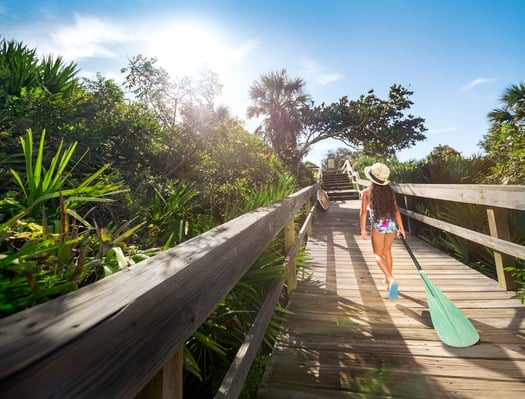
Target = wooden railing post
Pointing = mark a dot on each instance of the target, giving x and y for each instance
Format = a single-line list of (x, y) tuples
[(307, 210), (499, 228), (410, 222), (289, 239), (167, 383)]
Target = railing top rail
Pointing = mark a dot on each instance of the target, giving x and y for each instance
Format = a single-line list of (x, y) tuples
[(503, 196)]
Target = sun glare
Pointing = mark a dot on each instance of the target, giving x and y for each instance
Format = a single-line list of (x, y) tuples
[(185, 48)]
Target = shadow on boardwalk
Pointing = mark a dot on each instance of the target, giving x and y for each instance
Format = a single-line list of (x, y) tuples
[(344, 339)]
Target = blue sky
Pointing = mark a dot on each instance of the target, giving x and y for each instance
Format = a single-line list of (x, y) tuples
[(456, 56)]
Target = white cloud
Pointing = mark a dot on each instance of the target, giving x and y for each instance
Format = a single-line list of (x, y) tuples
[(84, 37), (442, 130), (88, 37), (319, 73), (474, 83)]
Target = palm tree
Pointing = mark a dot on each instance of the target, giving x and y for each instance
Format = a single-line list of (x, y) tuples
[(513, 110), (281, 101), (33, 92), (505, 140), (57, 78), (20, 69)]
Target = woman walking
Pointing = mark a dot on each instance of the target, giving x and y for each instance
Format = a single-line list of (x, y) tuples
[(385, 219)]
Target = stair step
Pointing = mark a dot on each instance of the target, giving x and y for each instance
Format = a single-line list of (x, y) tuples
[(338, 187), (342, 193)]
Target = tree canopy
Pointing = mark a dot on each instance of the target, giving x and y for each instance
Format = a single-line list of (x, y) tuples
[(505, 140), (292, 123), (369, 124)]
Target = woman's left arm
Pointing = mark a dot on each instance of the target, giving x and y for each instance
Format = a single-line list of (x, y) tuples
[(362, 215)]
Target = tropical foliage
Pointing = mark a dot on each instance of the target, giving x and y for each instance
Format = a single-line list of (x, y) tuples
[(35, 93), (505, 141), (48, 246), (443, 165)]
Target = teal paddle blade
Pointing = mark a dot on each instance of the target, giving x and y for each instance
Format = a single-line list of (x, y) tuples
[(452, 326)]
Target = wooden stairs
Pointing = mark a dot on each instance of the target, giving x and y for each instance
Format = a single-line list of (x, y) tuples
[(338, 186)]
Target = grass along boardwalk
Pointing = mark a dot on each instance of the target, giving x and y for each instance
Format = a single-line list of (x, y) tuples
[(345, 339)]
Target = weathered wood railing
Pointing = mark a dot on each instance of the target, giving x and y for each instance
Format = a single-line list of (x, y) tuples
[(123, 336), (497, 199)]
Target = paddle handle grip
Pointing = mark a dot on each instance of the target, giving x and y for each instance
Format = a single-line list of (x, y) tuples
[(410, 253)]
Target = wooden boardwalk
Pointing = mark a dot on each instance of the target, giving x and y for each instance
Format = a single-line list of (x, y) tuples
[(344, 339)]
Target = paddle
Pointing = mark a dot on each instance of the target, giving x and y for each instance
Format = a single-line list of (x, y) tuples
[(451, 325)]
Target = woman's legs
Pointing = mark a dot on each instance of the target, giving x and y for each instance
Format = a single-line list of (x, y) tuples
[(382, 247)]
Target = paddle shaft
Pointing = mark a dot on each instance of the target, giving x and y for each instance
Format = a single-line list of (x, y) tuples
[(411, 253)]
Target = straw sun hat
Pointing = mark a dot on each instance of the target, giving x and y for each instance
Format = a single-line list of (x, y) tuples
[(378, 173)]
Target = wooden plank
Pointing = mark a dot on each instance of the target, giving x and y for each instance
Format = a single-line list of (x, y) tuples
[(416, 387), (388, 383), (490, 369), (395, 345)]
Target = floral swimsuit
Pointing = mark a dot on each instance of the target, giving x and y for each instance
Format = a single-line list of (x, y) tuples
[(383, 225)]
